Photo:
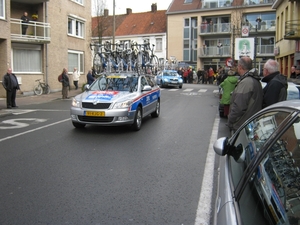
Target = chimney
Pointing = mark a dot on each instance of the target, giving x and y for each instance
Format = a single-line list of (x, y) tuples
[(105, 12), (153, 7), (128, 11)]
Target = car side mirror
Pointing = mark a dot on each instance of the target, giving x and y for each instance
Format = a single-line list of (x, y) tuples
[(222, 147), (147, 88), (86, 87)]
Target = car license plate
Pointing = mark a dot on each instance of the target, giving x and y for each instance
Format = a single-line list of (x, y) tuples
[(174, 82), (93, 113)]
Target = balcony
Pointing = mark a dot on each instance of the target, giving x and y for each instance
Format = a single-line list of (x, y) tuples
[(219, 28), (214, 52), (292, 30), (37, 32)]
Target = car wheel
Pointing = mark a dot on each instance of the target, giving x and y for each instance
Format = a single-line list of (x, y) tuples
[(137, 123), (180, 86), (78, 125), (157, 110)]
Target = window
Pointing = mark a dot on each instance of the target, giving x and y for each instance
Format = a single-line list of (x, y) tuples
[(158, 46), (26, 58), (75, 59), (79, 1), (76, 27), (2, 9)]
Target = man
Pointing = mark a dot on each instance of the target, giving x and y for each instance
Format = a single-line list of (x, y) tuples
[(276, 88), (293, 73), (25, 21), (247, 97), (297, 72), (76, 76), (10, 84)]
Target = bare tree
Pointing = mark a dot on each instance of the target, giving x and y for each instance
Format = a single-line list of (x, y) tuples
[(99, 10)]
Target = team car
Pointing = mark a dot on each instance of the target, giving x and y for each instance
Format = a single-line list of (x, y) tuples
[(117, 99), (169, 78), (259, 177)]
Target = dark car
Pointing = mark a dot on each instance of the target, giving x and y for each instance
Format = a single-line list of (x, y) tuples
[(259, 179)]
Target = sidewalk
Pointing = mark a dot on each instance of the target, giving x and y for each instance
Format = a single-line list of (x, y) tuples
[(22, 100)]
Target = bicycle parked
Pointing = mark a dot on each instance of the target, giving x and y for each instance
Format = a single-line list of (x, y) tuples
[(41, 88)]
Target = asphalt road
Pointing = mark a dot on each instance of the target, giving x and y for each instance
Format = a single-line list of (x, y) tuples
[(52, 173)]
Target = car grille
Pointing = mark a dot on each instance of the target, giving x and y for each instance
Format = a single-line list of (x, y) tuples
[(174, 80), (89, 105), (95, 119)]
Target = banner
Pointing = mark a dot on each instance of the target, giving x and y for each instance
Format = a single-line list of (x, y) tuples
[(244, 47)]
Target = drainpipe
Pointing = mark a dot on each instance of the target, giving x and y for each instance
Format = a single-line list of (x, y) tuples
[(46, 45)]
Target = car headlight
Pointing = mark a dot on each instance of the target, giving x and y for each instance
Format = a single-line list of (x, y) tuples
[(166, 80), (76, 103), (122, 105)]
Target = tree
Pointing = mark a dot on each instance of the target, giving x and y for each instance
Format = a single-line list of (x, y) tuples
[(99, 8)]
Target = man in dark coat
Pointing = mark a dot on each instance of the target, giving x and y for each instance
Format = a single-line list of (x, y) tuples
[(25, 21), (10, 84), (276, 88)]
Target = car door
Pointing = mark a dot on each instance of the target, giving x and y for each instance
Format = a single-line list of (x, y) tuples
[(264, 170)]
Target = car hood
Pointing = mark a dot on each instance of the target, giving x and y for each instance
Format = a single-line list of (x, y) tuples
[(105, 96)]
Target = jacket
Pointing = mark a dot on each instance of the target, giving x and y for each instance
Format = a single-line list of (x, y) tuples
[(65, 80), (228, 86), (275, 90), (8, 84), (246, 99)]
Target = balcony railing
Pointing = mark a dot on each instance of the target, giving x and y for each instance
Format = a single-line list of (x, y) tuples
[(292, 30), (209, 28), (225, 51), (36, 31)]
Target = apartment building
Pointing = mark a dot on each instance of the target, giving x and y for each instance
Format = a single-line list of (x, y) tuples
[(208, 33), (287, 34), (57, 37), (133, 27)]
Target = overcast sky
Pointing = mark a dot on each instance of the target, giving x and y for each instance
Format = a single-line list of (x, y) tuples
[(135, 5)]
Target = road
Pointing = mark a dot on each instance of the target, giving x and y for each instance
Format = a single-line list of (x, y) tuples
[(52, 173)]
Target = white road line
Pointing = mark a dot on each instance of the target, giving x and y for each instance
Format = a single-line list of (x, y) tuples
[(173, 90), (188, 89), (202, 90), (204, 204), (29, 131), (216, 91)]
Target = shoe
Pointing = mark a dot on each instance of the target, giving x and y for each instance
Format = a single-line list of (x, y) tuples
[(15, 106), (9, 107)]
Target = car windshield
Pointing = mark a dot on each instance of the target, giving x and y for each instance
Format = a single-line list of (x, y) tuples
[(169, 73), (115, 83)]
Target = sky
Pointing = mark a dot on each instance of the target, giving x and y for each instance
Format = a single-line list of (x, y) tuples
[(135, 5)]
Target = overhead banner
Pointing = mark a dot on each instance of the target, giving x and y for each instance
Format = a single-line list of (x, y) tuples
[(244, 47)]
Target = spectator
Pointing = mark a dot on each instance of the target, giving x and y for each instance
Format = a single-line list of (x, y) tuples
[(76, 76), (190, 76), (25, 21), (199, 75), (185, 75), (228, 86), (211, 74), (90, 78), (10, 84), (65, 83), (247, 96), (293, 73), (276, 88), (297, 71)]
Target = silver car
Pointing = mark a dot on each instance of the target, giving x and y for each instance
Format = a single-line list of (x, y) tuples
[(117, 99), (259, 179)]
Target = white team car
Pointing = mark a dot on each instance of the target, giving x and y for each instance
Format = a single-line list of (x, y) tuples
[(117, 99)]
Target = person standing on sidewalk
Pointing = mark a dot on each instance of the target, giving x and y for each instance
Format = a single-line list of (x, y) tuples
[(75, 77), (10, 84), (65, 83)]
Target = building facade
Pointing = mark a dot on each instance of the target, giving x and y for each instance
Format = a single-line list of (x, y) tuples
[(287, 34), (206, 33), (57, 37)]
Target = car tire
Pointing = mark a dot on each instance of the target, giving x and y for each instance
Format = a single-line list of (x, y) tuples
[(137, 123), (157, 110), (180, 86), (78, 125)]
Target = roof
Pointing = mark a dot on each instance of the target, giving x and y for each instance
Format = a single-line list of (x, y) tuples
[(179, 5), (132, 24)]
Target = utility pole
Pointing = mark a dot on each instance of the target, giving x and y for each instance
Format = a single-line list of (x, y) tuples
[(114, 24)]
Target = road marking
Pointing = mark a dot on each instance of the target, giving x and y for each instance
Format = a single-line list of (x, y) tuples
[(14, 124), (202, 90), (173, 90), (188, 89), (204, 205), (29, 131), (216, 91)]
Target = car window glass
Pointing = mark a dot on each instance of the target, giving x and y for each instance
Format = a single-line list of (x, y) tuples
[(273, 195), (143, 82)]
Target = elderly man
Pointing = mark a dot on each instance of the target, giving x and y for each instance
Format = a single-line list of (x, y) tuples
[(293, 73), (276, 88), (247, 96), (10, 84)]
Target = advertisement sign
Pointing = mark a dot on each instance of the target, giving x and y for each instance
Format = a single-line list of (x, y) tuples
[(244, 47)]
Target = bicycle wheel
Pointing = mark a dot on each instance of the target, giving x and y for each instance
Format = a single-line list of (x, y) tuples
[(47, 89), (154, 64), (38, 90), (97, 64)]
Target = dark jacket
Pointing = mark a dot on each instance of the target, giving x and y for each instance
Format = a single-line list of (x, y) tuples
[(246, 99), (90, 78), (8, 84), (65, 80), (275, 90)]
